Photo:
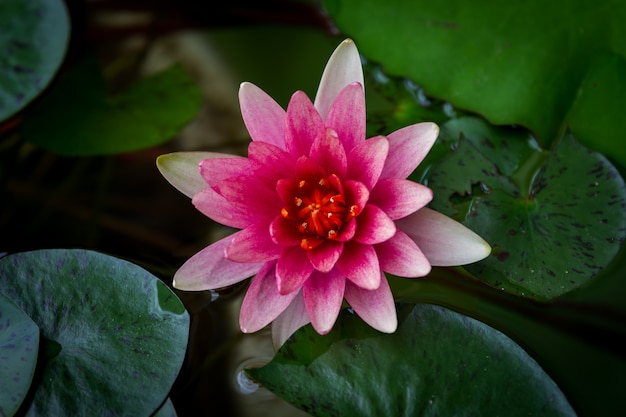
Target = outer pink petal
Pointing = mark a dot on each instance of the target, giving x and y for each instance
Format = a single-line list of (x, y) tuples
[(263, 117), (253, 196), (209, 269), (375, 307), (290, 320), (347, 115), (270, 161), (292, 270), (373, 226), (444, 241), (323, 257), (329, 152), (359, 263), (181, 170), (407, 148), (399, 197), (253, 244), (217, 208), (366, 160), (263, 303), (284, 233), (343, 68), (401, 256), (304, 124), (215, 170), (323, 295)]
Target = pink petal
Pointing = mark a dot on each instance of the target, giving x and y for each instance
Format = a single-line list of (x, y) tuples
[(263, 117), (290, 320), (399, 197), (359, 263), (343, 68), (253, 195), (270, 161), (253, 244), (216, 170), (347, 115), (308, 168), (323, 257), (217, 208), (209, 269), (356, 193), (262, 302), (323, 295), (304, 124), (401, 256), (407, 148), (444, 241), (348, 231), (181, 170), (366, 160), (292, 270), (284, 233), (373, 226), (375, 307), (328, 151)]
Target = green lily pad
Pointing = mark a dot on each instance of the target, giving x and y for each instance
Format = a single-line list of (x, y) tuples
[(438, 363), (19, 344), (78, 117), (113, 335), (538, 64), (33, 41), (554, 219)]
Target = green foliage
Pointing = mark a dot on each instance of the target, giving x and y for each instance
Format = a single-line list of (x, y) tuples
[(19, 344), (542, 65), (79, 117), (110, 331), (437, 363), (554, 219), (33, 41)]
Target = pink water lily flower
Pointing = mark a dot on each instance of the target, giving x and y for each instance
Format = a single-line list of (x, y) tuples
[(323, 211)]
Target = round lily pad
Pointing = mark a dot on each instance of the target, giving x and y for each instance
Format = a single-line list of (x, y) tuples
[(555, 219), (114, 336), (33, 41), (19, 344), (438, 363)]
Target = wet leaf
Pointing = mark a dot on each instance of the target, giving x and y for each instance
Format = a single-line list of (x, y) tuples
[(554, 219), (536, 64), (110, 331), (19, 344), (33, 41), (438, 363), (78, 117)]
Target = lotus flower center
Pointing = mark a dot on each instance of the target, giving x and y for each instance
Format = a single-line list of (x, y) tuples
[(319, 210)]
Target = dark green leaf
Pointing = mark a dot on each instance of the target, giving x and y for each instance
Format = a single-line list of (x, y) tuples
[(78, 118), (554, 219), (438, 363), (110, 330), (19, 344), (534, 63), (33, 41)]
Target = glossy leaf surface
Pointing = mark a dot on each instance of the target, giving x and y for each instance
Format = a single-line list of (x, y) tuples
[(555, 218), (33, 41), (437, 363), (110, 331), (19, 344)]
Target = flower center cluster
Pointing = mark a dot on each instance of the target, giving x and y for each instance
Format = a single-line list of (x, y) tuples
[(319, 210)]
